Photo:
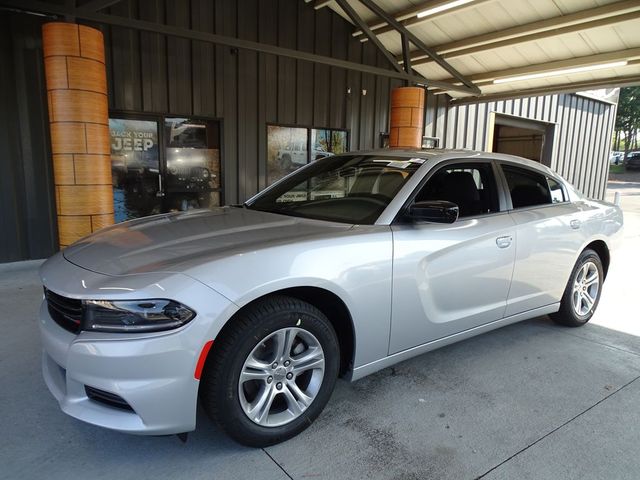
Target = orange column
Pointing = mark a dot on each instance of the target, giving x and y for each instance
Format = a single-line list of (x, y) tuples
[(79, 125), (407, 116)]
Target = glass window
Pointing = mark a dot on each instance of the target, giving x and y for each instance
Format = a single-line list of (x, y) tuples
[(470, 186), (353, 189), (193, 164), (557, 192), (527, 188), (286, 151), (135, 168), (289, 148)]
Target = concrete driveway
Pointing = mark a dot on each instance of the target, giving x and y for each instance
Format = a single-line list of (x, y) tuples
[(531, 400)]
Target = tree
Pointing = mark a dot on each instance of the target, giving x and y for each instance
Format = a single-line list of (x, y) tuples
[(628, 117)]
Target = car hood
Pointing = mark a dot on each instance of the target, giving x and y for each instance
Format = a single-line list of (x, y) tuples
[(177, 241)]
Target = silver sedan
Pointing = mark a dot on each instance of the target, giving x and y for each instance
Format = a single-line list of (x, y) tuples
[(344, 267)]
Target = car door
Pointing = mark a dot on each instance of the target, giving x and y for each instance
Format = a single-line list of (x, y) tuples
[(548, 233), (448, 278)]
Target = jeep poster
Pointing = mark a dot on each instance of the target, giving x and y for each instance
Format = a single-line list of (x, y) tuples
[(134, 167)]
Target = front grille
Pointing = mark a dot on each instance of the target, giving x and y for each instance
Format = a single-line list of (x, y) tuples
[(107, 398), (66, 312)]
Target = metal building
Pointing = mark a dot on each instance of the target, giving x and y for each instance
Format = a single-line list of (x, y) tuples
[(245, 72)]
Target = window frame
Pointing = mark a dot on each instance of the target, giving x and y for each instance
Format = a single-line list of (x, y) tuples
[(309, 149), (545, 175), (160, 118), (503, 196)]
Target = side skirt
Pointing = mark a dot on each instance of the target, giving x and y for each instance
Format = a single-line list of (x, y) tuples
[(385, 362)]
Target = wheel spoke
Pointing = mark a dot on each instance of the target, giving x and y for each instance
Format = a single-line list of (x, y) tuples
[(311, 359), (587, 300), (583, 272), (256, 364), (292, 404), (260, 409), (249, 374), (283, 342), (302, 397), (591, 279)]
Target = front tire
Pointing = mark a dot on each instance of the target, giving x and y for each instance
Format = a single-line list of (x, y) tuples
[(582, 294), (271, 372)]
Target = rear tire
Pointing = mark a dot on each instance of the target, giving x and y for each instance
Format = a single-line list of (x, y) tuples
[(582, 294), (280, 351)]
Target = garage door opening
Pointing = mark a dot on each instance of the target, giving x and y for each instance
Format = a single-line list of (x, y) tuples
[(523, 137)]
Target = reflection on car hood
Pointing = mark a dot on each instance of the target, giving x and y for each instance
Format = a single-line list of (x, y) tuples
[(174, 242)]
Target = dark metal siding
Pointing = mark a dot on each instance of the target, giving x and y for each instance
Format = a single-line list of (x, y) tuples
[(153, 73), (582, 137), (27, 208)]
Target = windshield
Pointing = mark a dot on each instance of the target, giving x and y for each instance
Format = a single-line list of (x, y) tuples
[(346, 188)]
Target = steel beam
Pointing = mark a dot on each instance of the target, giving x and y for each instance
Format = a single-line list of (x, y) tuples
[(631, 55), (371, 5), (408, 17), (97, 5), (626, 81), (609, 14), (353, 15), (43, 7)]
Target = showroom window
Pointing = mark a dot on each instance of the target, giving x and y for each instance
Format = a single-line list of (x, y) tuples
[(289, 148), (163, 164)]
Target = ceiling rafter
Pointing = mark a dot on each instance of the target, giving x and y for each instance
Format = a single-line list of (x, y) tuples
[(585, 19), (97, 5), (613, 82), (632, 55), (170, 30), (371, 5), (355, 18), (408, 17)]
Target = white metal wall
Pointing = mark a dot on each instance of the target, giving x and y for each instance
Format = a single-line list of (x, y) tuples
[(582, 136)]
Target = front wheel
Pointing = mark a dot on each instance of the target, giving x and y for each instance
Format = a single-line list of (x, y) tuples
[(582, 294), (272, 372)]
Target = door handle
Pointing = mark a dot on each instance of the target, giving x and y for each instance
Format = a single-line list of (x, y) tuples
[(575, 224), (504, 242)]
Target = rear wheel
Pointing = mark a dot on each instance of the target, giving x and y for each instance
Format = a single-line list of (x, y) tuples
[(582, 293), (271, 374)]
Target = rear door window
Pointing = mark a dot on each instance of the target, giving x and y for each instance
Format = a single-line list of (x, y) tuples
[(527, 187)]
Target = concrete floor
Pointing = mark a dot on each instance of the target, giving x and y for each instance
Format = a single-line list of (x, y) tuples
[(531, 400)]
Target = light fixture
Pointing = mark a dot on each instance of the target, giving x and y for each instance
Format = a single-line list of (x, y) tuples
[(555, 73), (442, 8)]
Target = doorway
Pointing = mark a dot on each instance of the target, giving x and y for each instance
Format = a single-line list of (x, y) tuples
[(523, 137)]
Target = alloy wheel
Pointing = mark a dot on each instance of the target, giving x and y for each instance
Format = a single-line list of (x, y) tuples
[(586, 287), (281, 377)]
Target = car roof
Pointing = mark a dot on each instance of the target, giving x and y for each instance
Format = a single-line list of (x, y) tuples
[(441, 154)]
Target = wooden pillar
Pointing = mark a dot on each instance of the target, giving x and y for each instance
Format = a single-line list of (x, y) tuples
[(407, 117), (79, 126)]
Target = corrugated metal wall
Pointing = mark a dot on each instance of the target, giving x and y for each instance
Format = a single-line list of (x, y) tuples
[(27, 208), (582, 135), (149, 72), (153, 73)]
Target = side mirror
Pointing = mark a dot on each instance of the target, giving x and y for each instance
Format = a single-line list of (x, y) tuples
[(438, 211)]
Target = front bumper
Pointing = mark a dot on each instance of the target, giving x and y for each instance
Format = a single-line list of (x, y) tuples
[(153, 373)]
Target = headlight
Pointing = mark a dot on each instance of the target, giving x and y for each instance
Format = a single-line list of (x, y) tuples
[(135, 315)]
